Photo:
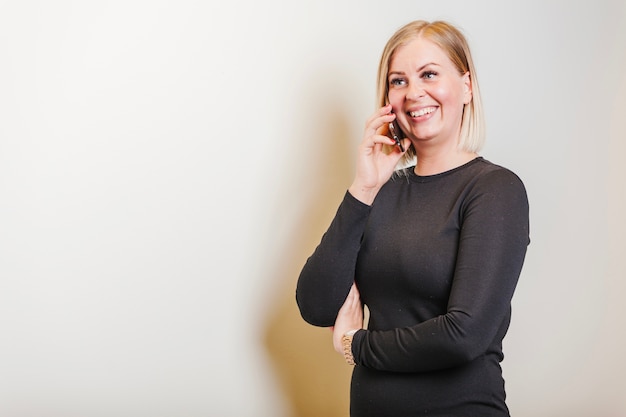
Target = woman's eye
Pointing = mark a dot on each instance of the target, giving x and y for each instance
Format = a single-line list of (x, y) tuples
[(429, 75), (396, 82)]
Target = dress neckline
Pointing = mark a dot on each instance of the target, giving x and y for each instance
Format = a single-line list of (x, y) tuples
[(426, 178)]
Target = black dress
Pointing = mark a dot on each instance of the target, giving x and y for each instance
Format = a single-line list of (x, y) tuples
[(436, 260)]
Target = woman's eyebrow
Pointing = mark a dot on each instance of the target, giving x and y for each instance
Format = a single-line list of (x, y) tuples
[(418, 70), (425, 65)]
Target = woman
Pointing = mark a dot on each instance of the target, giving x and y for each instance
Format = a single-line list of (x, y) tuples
[(433, 250)]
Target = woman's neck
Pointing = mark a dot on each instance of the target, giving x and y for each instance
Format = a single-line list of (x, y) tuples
[(431, 163)]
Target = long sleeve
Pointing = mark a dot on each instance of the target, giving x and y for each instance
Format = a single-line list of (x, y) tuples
[(328, 273), (493, 235)]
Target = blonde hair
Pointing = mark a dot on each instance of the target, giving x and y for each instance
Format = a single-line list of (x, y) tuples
[(453, 43)]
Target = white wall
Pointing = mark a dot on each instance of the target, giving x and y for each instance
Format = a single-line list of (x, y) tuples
[(167, 166)]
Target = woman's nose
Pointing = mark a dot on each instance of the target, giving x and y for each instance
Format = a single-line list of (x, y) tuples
[(415, 92)]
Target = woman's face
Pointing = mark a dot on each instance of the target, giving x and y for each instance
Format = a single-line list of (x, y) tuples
[(427, 93)]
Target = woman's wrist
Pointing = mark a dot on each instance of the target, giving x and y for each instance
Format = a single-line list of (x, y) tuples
[(365, 195), (346, 343)]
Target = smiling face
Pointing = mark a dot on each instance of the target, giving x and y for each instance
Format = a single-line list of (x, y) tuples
[(427, 93)]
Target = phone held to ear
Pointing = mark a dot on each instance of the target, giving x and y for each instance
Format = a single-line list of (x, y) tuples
[(395, 134)]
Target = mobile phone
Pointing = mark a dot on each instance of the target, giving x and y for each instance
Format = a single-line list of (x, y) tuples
[(396, 134)]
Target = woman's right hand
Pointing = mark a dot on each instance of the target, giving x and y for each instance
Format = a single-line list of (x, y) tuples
[(374, 166)]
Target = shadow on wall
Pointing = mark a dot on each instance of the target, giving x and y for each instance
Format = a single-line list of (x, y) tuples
[(314, 378)]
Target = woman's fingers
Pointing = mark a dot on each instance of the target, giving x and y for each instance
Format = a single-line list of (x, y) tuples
[(350, 317), (375, 127), (375, 164), (381, 113)]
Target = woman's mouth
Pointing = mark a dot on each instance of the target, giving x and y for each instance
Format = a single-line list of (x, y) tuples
[(422, 112)]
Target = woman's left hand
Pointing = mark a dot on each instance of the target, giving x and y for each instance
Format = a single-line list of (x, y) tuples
[(350, 317)]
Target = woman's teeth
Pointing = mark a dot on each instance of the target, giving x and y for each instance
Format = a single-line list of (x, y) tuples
[(422, 112)]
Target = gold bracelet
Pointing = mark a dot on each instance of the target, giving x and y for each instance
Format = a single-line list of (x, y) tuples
[(346, 342)]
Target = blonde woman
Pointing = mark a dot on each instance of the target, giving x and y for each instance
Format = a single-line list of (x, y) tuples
[(433, 249)]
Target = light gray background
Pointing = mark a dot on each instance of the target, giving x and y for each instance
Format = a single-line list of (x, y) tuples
[(167, 166)]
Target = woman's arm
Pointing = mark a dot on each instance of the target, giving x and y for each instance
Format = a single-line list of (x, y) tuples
[(328, 273)]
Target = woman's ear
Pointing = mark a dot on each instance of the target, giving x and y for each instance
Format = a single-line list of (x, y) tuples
[(467, 88)]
